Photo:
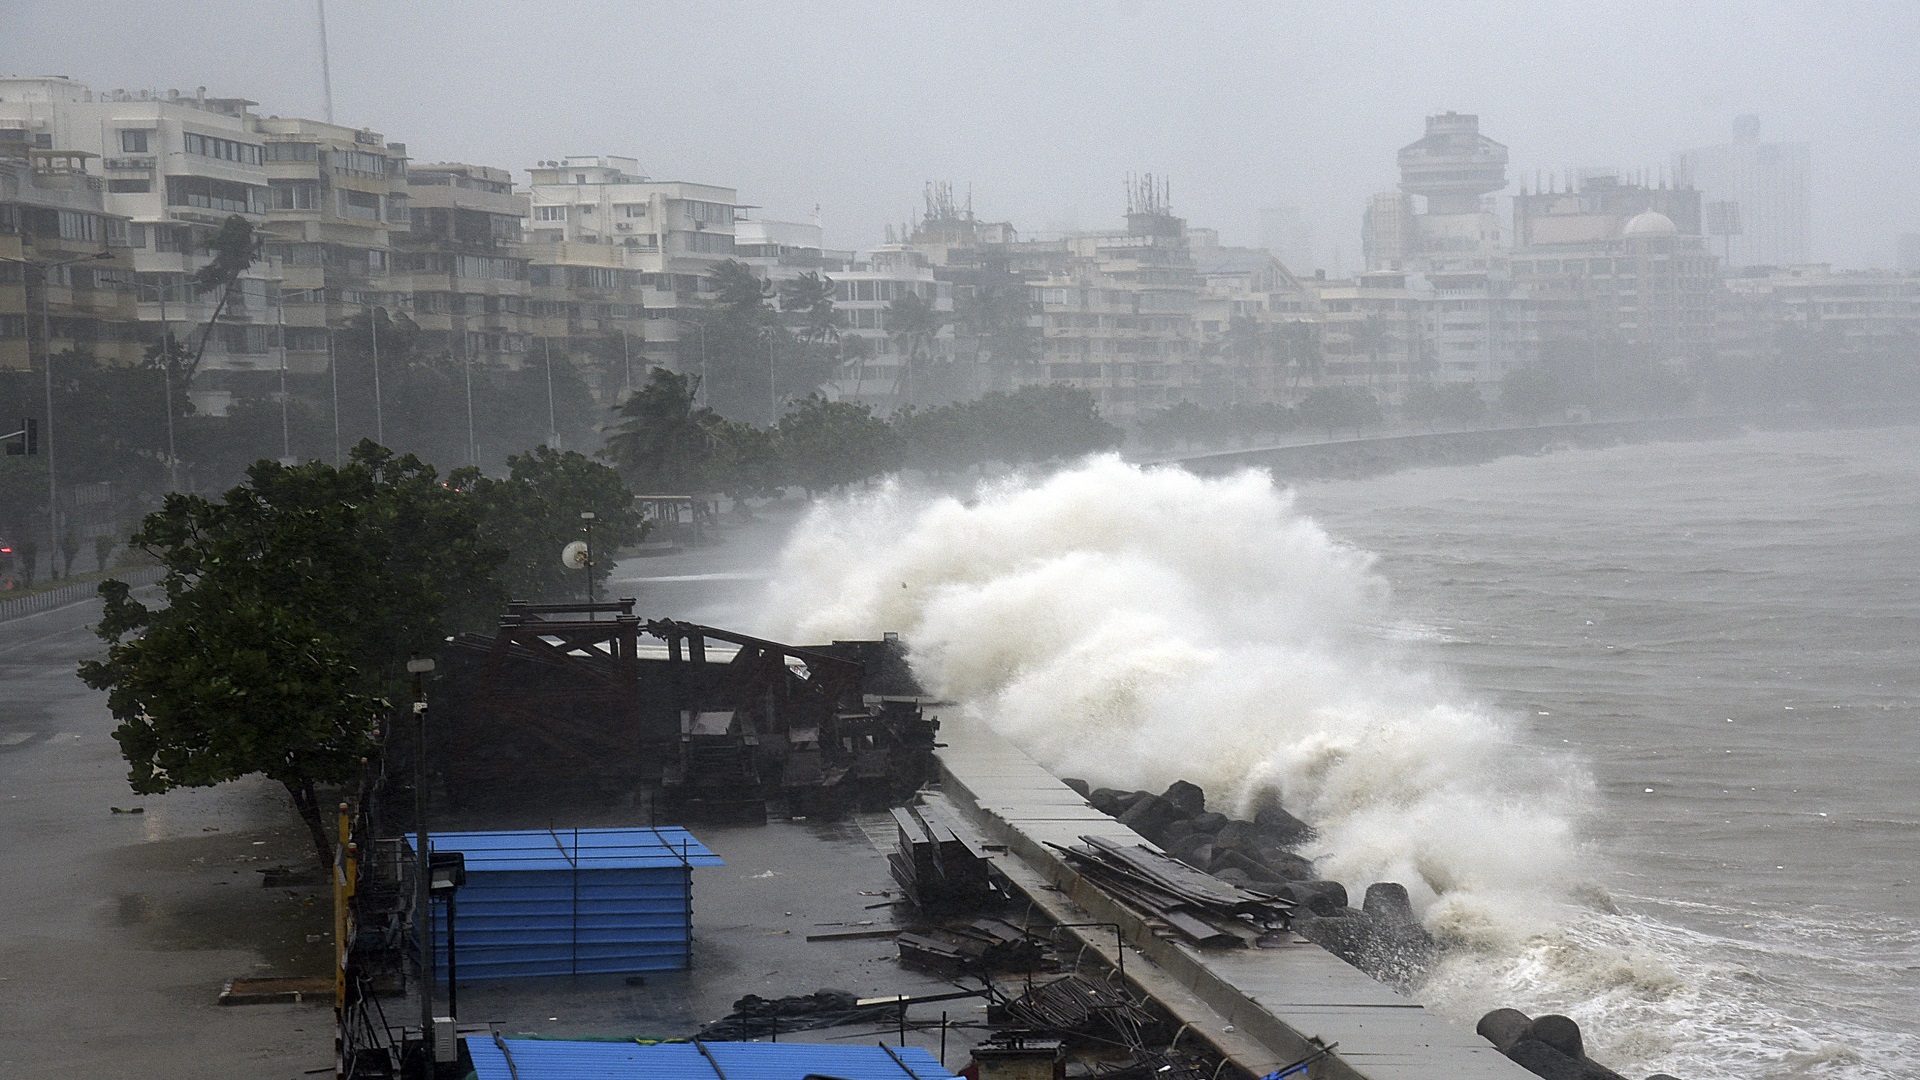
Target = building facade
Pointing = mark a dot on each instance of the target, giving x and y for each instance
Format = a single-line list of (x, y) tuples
[(66, 281), (616, 257), (1768, 184), (175, 166), (464, 265)]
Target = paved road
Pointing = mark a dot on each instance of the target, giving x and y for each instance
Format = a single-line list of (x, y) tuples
[(118, 930)]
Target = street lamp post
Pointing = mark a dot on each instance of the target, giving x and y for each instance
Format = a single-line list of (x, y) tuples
[(46, 338), (586, 522)]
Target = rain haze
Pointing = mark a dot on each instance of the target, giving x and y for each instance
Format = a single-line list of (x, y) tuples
[(1401, 517), (1042, 109)]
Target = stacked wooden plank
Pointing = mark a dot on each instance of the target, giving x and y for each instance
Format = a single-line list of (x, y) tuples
[(1199, 907), (939, 868)]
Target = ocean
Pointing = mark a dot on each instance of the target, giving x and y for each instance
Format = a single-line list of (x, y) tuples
[(1636, 727)]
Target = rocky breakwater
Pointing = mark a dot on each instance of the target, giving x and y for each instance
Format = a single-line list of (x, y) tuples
[(1547, 1046), (1381, 937)]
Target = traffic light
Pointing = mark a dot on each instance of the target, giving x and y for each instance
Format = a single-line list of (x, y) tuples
[(26, 441)]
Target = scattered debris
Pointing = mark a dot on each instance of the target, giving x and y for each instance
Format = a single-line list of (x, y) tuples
[(129, 810), (275, 991), (977, 947), (1205, 910), (1076, 1005)]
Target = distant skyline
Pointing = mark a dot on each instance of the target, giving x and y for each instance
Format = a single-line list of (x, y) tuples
[(1041, 110)]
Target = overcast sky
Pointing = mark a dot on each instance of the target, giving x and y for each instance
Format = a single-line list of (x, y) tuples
[(1042, 108)]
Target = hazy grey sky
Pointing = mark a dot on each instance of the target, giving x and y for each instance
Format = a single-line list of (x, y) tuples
[(1042, 108)]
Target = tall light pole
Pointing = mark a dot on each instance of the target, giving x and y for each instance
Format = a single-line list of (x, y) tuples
[(166, 379), (379, 418), (46, 338), (280, 333), (553, 432)]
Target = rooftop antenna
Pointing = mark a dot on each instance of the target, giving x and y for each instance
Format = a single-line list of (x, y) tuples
[(326, 66)]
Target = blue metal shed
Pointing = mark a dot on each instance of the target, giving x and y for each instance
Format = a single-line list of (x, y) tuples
[(542, 1059), (571, 902)]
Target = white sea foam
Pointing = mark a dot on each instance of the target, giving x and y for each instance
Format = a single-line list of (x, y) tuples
[(1136, 626)]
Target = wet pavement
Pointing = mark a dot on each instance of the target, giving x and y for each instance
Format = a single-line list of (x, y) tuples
[(120, 929)]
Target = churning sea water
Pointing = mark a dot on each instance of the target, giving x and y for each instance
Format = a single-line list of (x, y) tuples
[(1636, 726), (1726, 635)]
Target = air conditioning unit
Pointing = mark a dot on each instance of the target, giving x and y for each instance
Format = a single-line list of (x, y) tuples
[(624, 226)]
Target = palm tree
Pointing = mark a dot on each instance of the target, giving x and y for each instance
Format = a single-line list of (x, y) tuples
[(913, 322), (808, 302)]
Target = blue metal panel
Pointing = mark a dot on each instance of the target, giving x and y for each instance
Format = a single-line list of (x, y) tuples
[(566, 903), (540, 1059)]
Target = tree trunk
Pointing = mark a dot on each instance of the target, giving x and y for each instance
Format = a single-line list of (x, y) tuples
[(308, 804)]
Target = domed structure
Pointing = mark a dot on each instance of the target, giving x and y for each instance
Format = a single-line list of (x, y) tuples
[(1649, 223)]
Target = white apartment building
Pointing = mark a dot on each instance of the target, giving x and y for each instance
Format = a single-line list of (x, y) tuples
[(176, 165), (879, 372), (615, 253)]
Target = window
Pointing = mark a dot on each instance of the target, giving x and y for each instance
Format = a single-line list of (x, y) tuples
[(633, 210), (13, 326), (397, 208), (130, 187), (207, 193), (376, 260), (124, 233), (709, 243), (293, 151), (77, 226), (134, 142), (360, 205), (712, 213), (222, 149), (549, 213), (295, 194)]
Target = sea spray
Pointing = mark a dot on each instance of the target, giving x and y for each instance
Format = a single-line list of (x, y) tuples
[(1136, 626)]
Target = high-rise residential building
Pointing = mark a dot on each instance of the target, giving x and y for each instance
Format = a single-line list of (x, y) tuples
[(337, 199), (1617, 271), (1443, 230), (1257, 322), (462, 259), (1118, 313), (616, 255), (175, 166), (1770, 185), (894, 368), (1369, 333), (65, 275), (1814, 313)]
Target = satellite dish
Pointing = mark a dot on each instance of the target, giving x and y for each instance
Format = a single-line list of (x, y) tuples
[(574, 555)]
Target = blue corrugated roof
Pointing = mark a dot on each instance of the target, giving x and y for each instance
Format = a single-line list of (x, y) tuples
[(571, 849), (542, 1059)]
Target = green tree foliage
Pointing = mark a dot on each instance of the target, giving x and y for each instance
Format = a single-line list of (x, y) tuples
[(293, 604), (1183, 422), (1338, 407), (535, 511), (1034, 423), (1534, 392), (663, 443), (1453, 403), (826, 445)]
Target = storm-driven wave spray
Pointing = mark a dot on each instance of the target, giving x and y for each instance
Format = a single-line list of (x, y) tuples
[(1135, 626)]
